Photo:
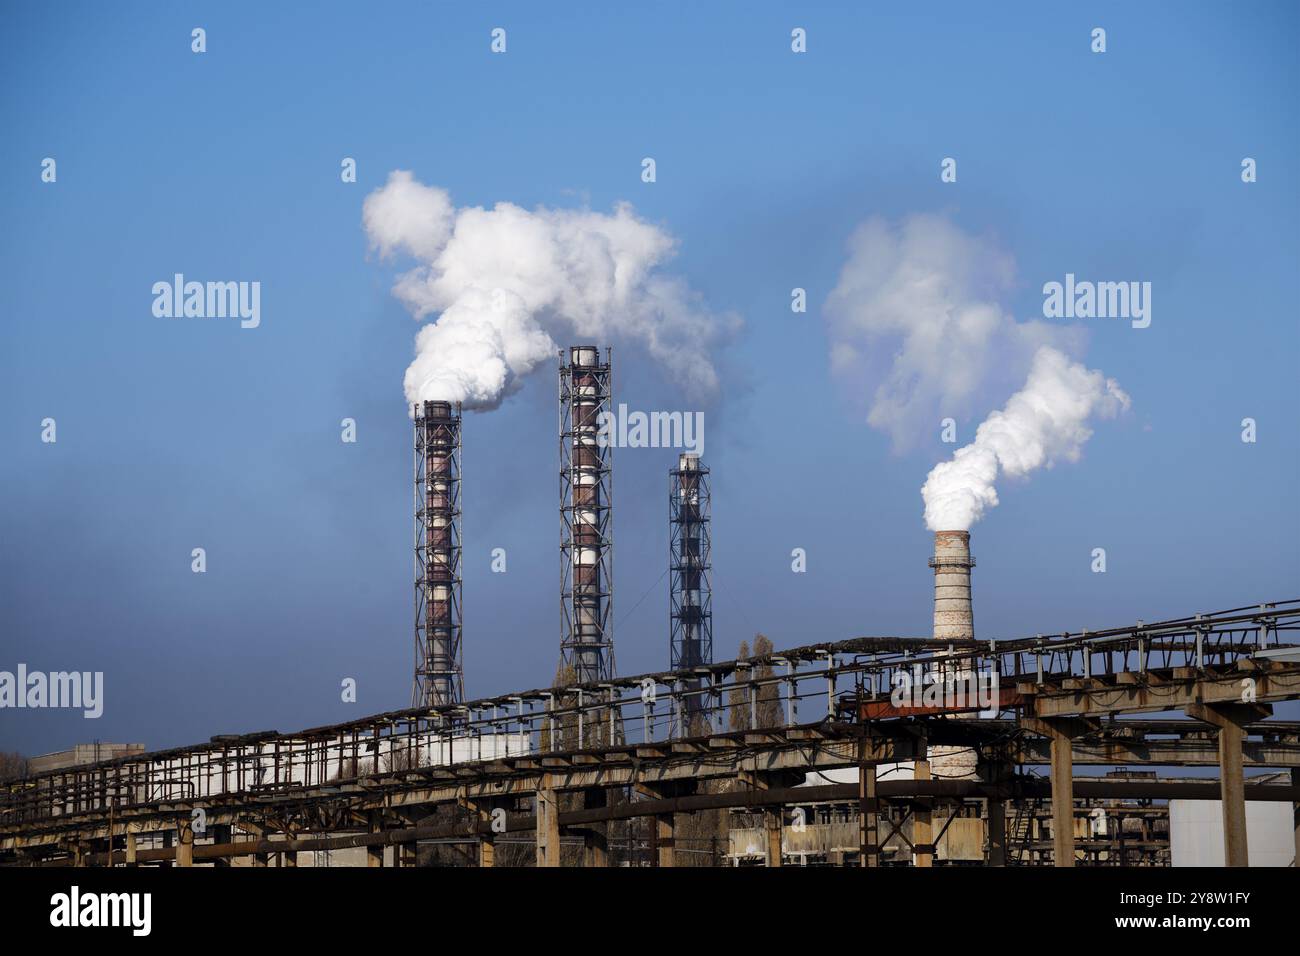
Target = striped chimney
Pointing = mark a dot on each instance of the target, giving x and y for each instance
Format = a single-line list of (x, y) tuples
[(953, 618)]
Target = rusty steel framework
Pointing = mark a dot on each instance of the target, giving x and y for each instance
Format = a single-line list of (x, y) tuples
[(1059, 700), (439, 677), (1122, 831), (586, 529), (690, 593)]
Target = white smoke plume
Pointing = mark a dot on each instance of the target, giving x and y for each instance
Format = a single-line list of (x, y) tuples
[(1045, 422), (504, 281), (915, 320)]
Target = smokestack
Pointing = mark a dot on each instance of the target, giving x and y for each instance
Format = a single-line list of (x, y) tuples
[(586, 545), (689, 592), (438, 676), (953, 618), (953, 621)]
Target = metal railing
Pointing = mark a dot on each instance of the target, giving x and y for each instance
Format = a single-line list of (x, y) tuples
[(800, 686)]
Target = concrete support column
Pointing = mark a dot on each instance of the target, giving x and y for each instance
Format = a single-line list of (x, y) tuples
[(595, 848), (548, 826), (184, 843), (665, 833), (772, 821), (773, 817), (923, 822), (997, 815), (1062, 800), (663, 829), (1061, 731), (1232, 782), (259, 860), (485, 851), (289, 857), (130, 849), (221, 834), (595, 842), (1231, 719), (375, 853), (997, 832), (868, 817)]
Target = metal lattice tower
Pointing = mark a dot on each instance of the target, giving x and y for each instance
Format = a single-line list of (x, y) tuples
[(438, 675), (586, 533), (690, 592)]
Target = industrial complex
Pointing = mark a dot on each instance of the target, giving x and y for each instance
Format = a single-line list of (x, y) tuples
[(1127, 746)]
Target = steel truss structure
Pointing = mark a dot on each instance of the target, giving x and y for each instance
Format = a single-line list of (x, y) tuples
[(439, 674), (690, 591), (586, 501), (1060, 698)]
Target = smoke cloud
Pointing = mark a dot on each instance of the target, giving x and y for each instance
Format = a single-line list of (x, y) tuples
[(505, 281), (1043, 423), (915, 320)]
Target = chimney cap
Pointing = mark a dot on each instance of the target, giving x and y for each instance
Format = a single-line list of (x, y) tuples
[(439, 410), (584, 355)]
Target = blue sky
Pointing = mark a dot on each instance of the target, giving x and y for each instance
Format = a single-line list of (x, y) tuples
[(176, 434)]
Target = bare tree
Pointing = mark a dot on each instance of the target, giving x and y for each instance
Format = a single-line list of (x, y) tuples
[(766, 697), (738, 700), (769, 695), (13, 766)]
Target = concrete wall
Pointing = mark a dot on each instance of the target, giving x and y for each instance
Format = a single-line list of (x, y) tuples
[(81, 754), (963, 840), (1196, 833)]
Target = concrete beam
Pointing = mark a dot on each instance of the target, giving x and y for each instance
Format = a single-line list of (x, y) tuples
[(1276, 682), (1158, 753)]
